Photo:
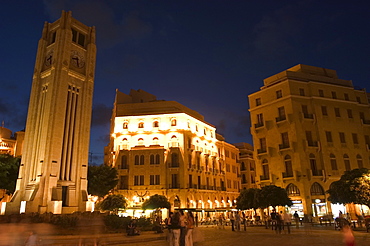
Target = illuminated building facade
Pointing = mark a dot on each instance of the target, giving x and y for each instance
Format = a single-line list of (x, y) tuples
[(10, 144), (53, 171), (247, 166), (162, 147), (309, 127)]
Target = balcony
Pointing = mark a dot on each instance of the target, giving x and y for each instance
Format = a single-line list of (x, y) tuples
[(284, 146), (308, 116), (261, 151), (280, 118), (314, 144), (288, 175), (263, 177), (258, 125), (317, 173), (173, 165)]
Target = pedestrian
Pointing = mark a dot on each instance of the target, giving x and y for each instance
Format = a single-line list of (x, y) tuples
[(196, 219), (169, 227), (296, 219), (32, 239), (348, 237), (221, 221), (273, 219), (287, 221), (266, 220), (183, 228), (244, 221), (232, 220), (189, 229), (175, 228), (279, 223), (237, 221)]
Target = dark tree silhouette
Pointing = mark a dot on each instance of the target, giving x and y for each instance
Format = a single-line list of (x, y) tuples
[(272, 195), (101, 179), (9, 168)]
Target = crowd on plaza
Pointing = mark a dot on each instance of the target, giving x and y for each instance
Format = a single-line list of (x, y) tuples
[(180, 227)]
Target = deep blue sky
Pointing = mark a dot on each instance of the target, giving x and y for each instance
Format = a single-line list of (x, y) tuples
[(206, 54)]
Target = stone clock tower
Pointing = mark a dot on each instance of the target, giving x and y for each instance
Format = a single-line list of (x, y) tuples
[(53, 172)]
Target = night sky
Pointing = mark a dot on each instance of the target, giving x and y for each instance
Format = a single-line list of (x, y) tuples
[(206, 54)]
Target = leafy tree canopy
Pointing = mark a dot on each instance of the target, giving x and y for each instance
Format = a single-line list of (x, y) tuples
[(156, 201), (248, 199), (272, 195), (101, 179), (112, 203), (353, 187), (9, 167)]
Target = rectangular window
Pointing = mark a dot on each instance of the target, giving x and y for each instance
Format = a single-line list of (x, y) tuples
[(227, 167), (321, 93), (190, 181), (78, 38), (342, 137), (227, 153), (259, 120), (279, 94), (333, 163), (358, 99), (154, 179), (324, 111), (354, 138), (301, 92), (337, 112), (281, 113), (258, 101), (151, 179), (175, 183), (346, 97), (157, 179), (334, 95), (349, 113), (263, 144), (329, 137), (123, 182), (285, 139), (139, 180)]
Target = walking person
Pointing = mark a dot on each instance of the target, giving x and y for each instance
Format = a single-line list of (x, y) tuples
[(189, 229), (232, 220), (349, 239), (183, 228), (175, 228), (296, 219), (169, 227), (273, 219), (237, 221), (287, 220), (32, 239)]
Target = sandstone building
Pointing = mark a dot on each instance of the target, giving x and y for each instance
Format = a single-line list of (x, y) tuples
[(162, 147), (309, 127)]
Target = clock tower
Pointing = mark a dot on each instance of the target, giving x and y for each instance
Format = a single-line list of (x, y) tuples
[(53, 172)]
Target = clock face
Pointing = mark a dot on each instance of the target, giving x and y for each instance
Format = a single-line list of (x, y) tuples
[(77, 59), (49, 58)]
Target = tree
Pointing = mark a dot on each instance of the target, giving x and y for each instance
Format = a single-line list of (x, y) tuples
[(101, 179), (156, 201), (272, 195), (352, 187), (9, 168), (248, 199), (112, 203)]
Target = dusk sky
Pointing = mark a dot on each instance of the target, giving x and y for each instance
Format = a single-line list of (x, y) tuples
[(208, 55)]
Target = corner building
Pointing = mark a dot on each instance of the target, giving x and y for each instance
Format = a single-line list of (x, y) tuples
[(162, 147), (308, 128)]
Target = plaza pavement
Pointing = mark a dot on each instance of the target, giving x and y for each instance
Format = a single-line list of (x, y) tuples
[(15, 234)]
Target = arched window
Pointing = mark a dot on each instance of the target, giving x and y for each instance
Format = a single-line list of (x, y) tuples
[(141, 159), (137, 160), (244, 180), (333, 162), (206, 163), (157, 159), (174, 160), (243, 166), (151, 159), (347, 163), (155, 141), (317, 190), (313, 164), (125, 125), (140, 141), (292, 190), (288, 166), (141, 125), (173, 122), (156, 124), (359, 161), (265, 170), (124, 162)]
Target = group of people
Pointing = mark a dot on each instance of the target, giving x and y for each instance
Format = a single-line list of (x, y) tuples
[(280, 221), (180, 228)]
